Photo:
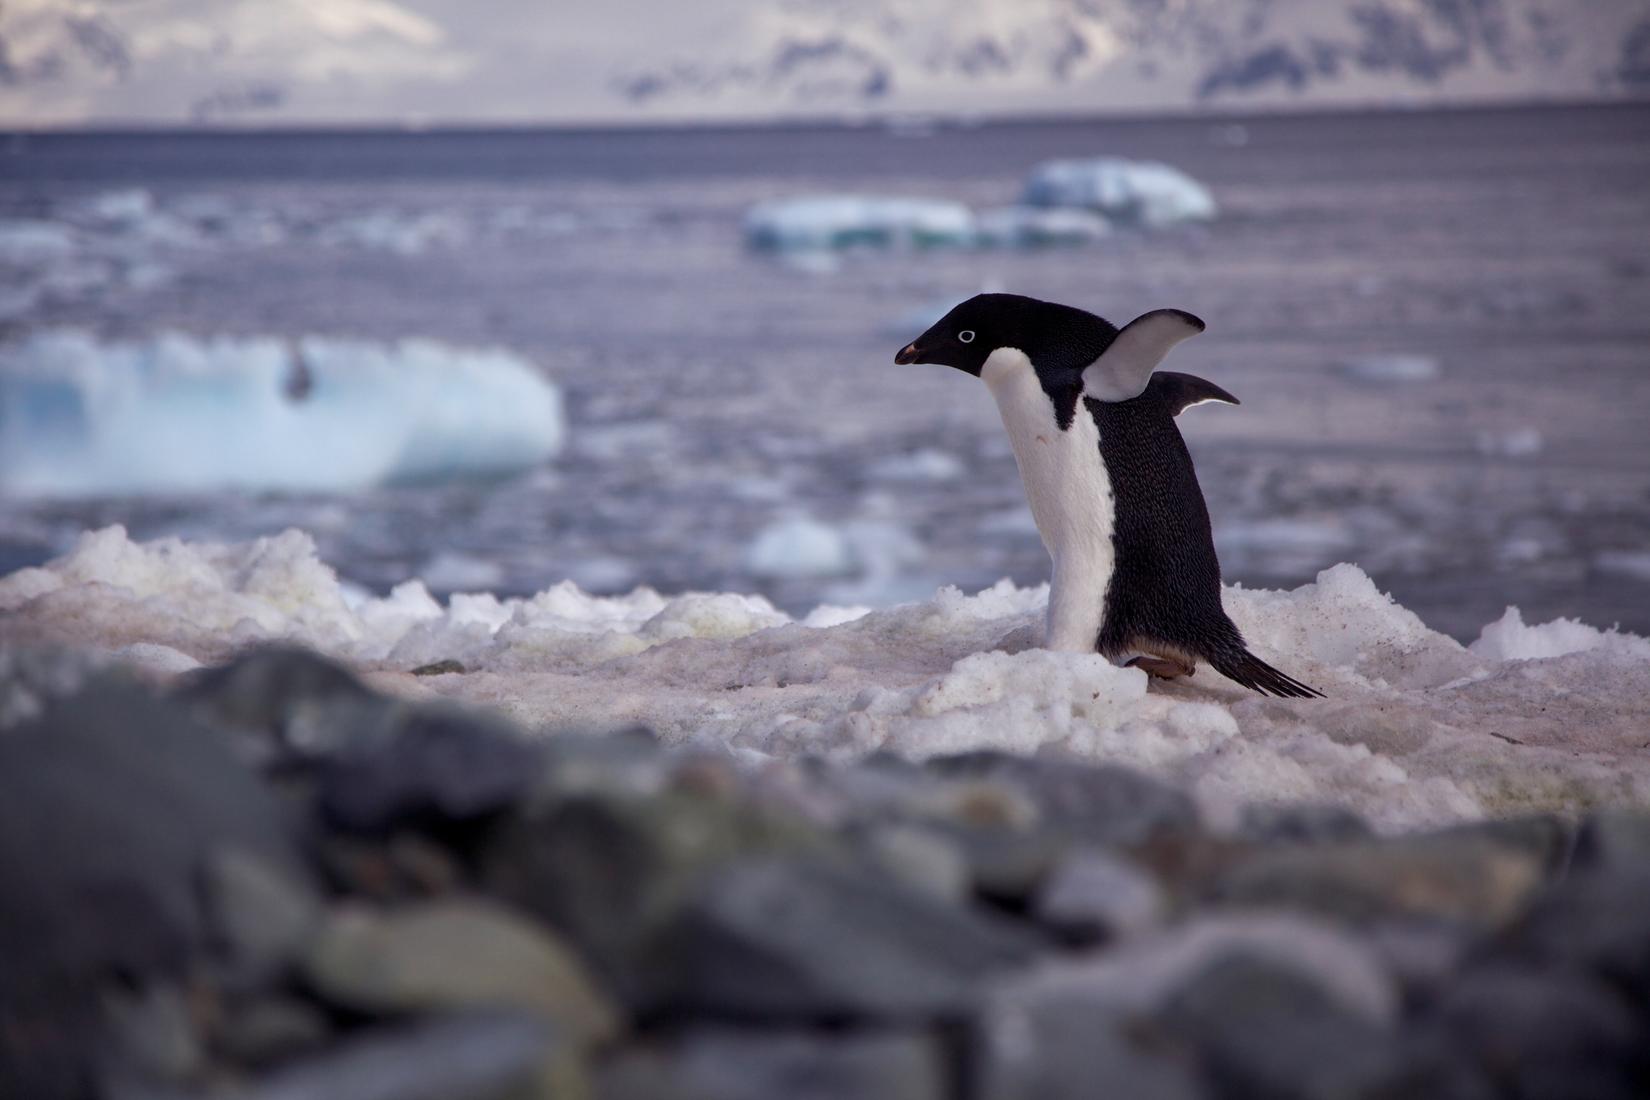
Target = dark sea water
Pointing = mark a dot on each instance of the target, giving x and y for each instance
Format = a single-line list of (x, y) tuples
[(713, 390)]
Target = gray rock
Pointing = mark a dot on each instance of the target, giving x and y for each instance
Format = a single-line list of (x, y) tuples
[(454, 954), (1466, 878), (1614, 839), (920, 858), (1266, 1030), (296, 700), (259, 914), (624, 762), (816, 940), (728, 1064), (1597, 922), (268, 1029), (1548, 839), (1420, 955), (1548, 1036), (1138, 979), (109, 803), (482, 1056), (1054, 1051), (609, 870), (152, 1034), (1301, 824), (431, 764), (1093, 896), (1008, 865), (1096, 804)]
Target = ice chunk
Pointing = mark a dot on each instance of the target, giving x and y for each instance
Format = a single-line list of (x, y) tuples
[(1391, 368), (1141, 193), (1509, 638), (177, 413), (1521, 442), (1625, 563), (1038, 226), (127, 207), (452, 571), (26, 241), (394, 231), (843, 221), (799, 546), (925, 464), (1282, 545)]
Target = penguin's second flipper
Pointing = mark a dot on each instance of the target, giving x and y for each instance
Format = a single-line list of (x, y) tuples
[(1179, 392), (1242, 667)]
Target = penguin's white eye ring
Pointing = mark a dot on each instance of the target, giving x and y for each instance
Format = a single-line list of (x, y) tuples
[(966, 336)]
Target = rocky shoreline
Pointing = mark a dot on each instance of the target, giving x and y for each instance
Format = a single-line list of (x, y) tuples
[(271, 881)]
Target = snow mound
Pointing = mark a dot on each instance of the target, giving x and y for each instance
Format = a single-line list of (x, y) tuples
[(180, 414), (1416, 729), (815, 222), (1141, 193)]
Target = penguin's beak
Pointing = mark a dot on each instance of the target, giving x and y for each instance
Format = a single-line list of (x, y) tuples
[(910, 353)]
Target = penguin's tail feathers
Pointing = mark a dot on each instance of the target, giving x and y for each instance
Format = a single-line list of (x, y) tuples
[(1242, 667)]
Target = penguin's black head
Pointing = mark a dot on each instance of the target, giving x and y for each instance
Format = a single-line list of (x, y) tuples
[(1057, 339)]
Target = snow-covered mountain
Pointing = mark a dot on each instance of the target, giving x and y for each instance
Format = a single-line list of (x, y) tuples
[(72, 61), (1098, 55)]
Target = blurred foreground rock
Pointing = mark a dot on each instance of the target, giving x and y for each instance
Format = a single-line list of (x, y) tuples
[(276, 883)]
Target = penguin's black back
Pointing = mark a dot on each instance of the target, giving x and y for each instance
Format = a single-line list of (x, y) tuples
[(1166, 582), (1165, 585)]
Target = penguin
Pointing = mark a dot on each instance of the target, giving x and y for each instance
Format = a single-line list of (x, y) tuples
[(1109, 479)]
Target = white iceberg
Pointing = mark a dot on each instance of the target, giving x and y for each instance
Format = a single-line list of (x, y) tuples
[(180, 414), (1141, 193), (1416, 729), (821, 222)]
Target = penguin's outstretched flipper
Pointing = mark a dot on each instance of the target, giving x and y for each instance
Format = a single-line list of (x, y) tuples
[(1125, 367), (1179, 392), (1242, 667)]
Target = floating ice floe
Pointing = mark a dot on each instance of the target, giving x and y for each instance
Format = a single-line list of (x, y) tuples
[(1141, 193), (1035, 227), (1625, 563), (811, 227), (1415, 730), (820, 222), (923, 464), (799, 546), (1511, 442), (181, 414), (1391, 368)]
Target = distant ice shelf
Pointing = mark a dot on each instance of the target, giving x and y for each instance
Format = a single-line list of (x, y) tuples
[(178, 413)]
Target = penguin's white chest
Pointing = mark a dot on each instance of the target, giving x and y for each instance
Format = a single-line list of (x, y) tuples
[(1070, 496)]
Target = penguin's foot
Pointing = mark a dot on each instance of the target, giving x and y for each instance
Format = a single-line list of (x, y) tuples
[(1164, 668)]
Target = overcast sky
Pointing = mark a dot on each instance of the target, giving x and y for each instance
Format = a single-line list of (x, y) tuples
[(512, 61)]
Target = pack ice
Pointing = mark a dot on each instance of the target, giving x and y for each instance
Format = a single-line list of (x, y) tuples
[(80, 417), (1417, 729)]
